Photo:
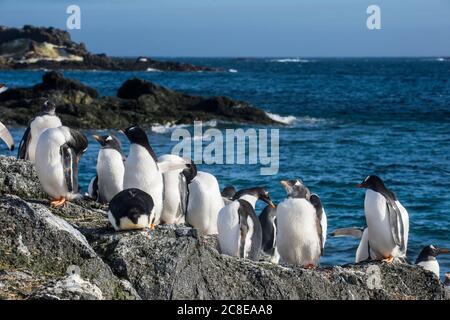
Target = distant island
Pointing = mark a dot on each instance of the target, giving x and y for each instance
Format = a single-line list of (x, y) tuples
[(51, 48), (137, 101)]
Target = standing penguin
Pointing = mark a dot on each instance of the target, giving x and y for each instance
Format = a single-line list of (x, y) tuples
[(42, 121), (427, 258), (110, 170), (175, 192), (141, 168), (268, 221), (6, 136), (204, 200), (363, 252), (131, 209), (58, 152), (301, 224), (240, 233), (228, 193), (387, 221)]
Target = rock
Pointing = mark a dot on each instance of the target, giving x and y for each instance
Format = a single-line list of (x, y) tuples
[(50, 48), (72, 287), (73, 253), (138, 101)]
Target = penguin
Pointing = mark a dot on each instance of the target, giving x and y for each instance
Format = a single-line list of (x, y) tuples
[(447, 280), (228, 193), (427, 258), (131, 209), (142, 169), (204, 200), (5, 135), (175, 192), (58, 152), (387, 221), (301, 222), (240, 232), (3, 88), (42, 121), (363, 252), (110, 170), (268, 221)]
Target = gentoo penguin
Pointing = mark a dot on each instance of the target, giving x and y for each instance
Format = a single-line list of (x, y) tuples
[(204, 200), (363, 252), (110, 170), (58, 152), (142, 169), (175, 192), (227, 194), (42, 121), (427, 258), (268, 221), (131, 209), (240, 233), (301, 223), (3, 88), (387, 221), (6, 136)]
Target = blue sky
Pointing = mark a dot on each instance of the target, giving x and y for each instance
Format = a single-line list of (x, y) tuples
[(246, 27)]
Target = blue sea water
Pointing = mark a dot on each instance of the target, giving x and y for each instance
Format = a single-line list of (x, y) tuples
[(347, 118)]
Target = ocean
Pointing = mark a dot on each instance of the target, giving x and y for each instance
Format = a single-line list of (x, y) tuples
[(345, 119)]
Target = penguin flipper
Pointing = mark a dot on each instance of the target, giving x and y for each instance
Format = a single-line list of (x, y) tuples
[(184, 194), (243, 226), (23, 146), (5, 135), (396, 223), (93, 188), (315, 201), (69, 163)]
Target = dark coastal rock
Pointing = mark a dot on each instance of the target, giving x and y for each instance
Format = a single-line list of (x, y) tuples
[(137, 101), (73, 253), (50, 48)]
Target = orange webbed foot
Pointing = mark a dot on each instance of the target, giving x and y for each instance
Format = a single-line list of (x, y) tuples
[(58, 202)]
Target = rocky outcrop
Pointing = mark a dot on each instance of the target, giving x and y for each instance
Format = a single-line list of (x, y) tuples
[(50, 48), (73, 253), (138, 101)]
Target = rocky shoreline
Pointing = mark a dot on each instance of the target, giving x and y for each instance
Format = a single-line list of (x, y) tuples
[(137, 101), (52, 49), (73, 253)]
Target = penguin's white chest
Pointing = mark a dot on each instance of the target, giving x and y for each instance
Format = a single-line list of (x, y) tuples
[(37, 127), (377, 217), (205, 202), (298, 241), (229, 229), (431, 265), (141, 172), (110, 171)]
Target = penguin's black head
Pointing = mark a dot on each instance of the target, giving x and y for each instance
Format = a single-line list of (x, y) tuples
[(136, 134), (258, 192), (296, 189), (229, 192), (48, 107), (109, 142), (190, 172), (376, 184), (78, 142), (430, 253)]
